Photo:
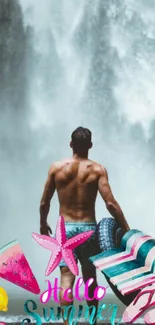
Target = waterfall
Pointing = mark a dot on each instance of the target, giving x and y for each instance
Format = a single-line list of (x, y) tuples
[(69, 63)]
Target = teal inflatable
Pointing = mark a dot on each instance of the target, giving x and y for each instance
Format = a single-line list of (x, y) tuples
[(108, 234)]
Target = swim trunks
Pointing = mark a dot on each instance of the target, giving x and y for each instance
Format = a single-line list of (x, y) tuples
[(88, 248)]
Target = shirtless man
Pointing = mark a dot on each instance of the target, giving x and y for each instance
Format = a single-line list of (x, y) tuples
[(77, 181)]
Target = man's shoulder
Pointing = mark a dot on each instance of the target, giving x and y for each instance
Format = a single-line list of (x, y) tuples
[(59, 164), (100, 169)]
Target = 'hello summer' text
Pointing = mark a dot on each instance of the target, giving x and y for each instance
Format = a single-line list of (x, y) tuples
[(70, 312)]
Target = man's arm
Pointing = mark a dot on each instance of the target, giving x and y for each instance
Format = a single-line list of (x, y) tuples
[(48, 192), (111, 204)]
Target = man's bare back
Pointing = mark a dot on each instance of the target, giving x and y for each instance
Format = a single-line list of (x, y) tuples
[(77, 182)]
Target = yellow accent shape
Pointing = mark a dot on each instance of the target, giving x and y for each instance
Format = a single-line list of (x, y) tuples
[(3, 300)]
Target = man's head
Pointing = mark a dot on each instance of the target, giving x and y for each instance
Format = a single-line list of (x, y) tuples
[(81, 141)]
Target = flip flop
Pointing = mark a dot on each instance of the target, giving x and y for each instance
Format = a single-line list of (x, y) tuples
[(149, 317), (144, 300)]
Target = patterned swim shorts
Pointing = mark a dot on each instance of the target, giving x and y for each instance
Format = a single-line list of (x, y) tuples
[(88, 248)]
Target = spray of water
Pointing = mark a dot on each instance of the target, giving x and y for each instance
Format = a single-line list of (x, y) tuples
[(71, 63)]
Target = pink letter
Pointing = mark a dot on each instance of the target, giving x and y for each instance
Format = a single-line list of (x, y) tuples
[(46, 295), (88, 284), (99, 293), (55, 290), (65, 295), (78, 285)]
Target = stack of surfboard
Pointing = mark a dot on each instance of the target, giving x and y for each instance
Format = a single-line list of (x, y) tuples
[(132, 266)]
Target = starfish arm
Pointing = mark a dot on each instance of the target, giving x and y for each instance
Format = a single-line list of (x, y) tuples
[(54, 261), (70, 261), (78, 239), (45, 241), (61, 231)]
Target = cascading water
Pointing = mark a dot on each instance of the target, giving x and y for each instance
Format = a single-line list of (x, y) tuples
[(69, 63)]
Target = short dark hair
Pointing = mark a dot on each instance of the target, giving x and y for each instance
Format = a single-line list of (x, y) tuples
[(81, 140)]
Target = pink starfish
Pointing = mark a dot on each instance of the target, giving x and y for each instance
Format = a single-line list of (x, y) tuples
[(61, 247)]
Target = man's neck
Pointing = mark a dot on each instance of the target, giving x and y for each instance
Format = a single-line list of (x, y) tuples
[(82, 156)]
